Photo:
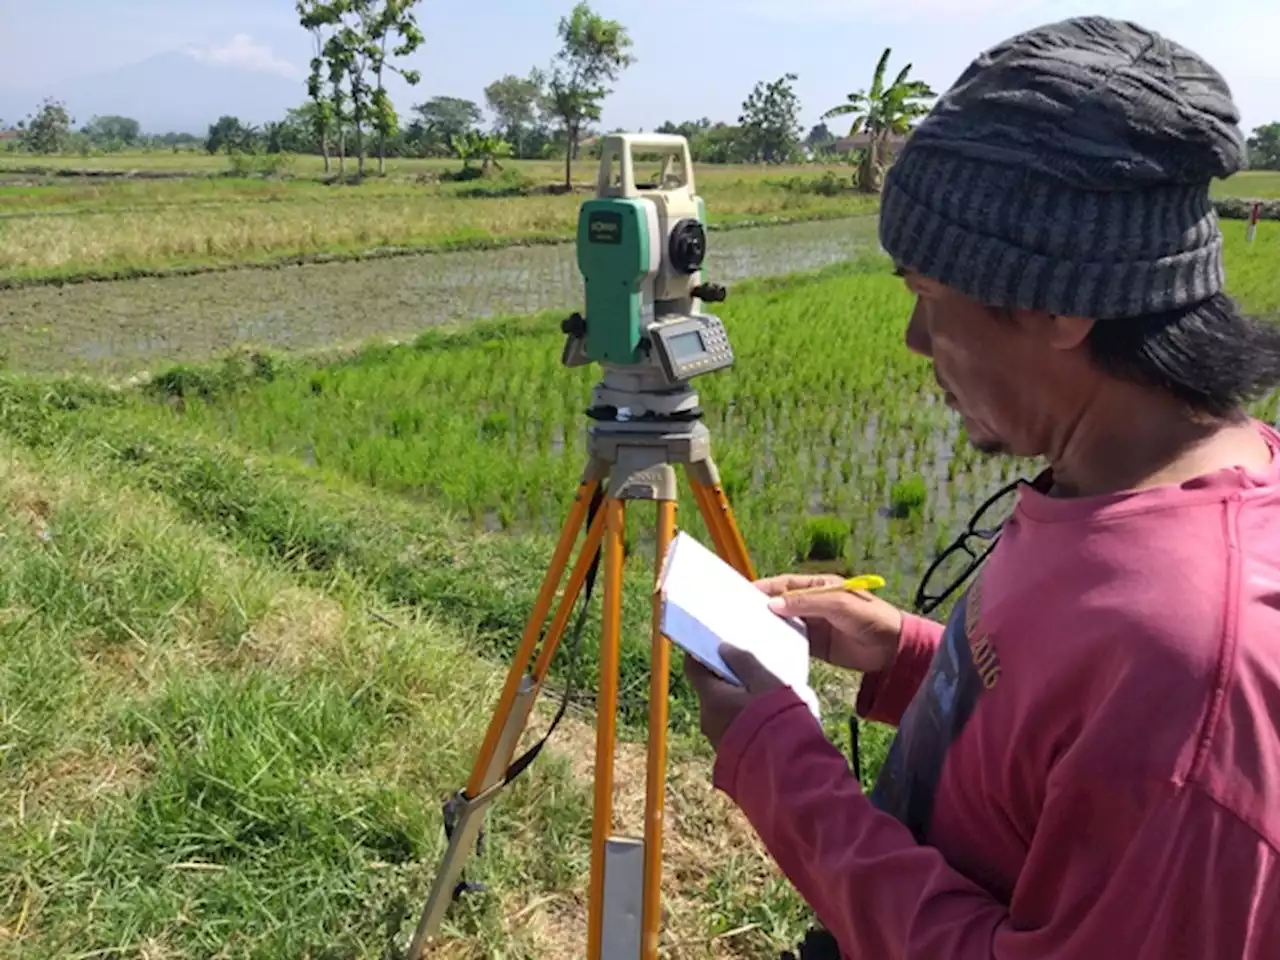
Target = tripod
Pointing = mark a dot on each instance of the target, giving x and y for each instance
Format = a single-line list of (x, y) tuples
[(629, 458)]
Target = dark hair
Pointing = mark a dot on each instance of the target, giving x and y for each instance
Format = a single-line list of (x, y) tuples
[(1210, 355)]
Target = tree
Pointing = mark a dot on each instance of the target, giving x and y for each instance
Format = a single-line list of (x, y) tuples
[(315, 18), (112, 130), (820, 138), (300, 132), (356, 50), (228, 135), (710, 142), (593, 50), (515, 104), (488, 148), (392, 17), (689, 129), (274, 133), (336, 45), (1264, 147), (348, 59), (882, 113), (771, 120), (49, 130), (444, 118)]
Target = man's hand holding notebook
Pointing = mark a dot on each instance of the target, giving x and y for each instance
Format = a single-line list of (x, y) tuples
[(706, 603)]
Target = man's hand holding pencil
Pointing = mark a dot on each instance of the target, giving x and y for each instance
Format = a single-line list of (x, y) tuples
[(848, 626)]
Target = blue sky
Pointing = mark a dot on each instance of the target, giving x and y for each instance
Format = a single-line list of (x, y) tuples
[(695, 57)]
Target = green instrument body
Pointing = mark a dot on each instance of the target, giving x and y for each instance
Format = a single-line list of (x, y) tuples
[(617, 254)]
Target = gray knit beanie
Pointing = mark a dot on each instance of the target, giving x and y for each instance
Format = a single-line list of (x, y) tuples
[(1068, 170)]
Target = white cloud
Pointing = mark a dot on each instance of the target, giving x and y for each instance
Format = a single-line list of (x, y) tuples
[(243, 54)]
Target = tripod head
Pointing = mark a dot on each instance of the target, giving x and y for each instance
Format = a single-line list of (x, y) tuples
[(640, 249)]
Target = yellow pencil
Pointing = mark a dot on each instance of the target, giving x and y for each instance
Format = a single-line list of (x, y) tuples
[(854, 584)]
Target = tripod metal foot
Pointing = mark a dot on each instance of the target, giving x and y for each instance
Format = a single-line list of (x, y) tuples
[(624, 889), (470, 821)]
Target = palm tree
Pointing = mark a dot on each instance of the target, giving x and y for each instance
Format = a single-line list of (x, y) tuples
[(880, 114)]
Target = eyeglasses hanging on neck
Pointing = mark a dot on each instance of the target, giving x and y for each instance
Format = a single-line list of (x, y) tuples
[(970, 549), (957, 563)]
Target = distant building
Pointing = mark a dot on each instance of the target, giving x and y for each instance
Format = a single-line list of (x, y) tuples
[(10, 135), (861, 141)]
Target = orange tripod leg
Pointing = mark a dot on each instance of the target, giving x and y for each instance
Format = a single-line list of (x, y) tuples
[(533, 629), (723, 527), (512, 712), (577, 579), (706, 507), (606, 719), (655, 785)]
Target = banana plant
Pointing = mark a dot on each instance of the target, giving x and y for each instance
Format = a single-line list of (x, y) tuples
[(488, 148), (881, 113)]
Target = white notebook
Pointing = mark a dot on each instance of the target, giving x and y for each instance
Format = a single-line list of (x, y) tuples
[(706, 602)]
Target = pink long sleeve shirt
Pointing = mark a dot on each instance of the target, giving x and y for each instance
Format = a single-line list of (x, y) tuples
[(1087, 759)]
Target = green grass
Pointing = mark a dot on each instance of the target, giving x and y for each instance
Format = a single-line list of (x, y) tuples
[(114, 228), (1253, 184), (484, 418), (795, 433)]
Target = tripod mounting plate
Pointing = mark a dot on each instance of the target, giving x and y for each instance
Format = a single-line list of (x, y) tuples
[(639, 457)]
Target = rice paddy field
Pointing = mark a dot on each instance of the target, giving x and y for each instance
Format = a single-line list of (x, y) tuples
[(271, 536), (59, 228), (146, 215)]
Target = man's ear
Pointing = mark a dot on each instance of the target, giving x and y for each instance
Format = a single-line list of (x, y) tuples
[(1068, 333)]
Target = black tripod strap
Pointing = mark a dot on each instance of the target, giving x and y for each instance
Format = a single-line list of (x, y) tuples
[(526, 759), (453, 807)]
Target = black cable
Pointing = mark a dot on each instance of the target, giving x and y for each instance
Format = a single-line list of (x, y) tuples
[(523, 763), (455, 805), (855, 750)]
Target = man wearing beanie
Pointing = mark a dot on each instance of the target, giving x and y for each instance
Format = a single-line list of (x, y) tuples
[(1087, 758)]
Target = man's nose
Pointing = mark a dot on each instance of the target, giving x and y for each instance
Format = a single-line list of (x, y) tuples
[(917, 334)]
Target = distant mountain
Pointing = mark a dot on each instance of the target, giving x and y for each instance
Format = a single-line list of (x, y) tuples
[(172, 92)]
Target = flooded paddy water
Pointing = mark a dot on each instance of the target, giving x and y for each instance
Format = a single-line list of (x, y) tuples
[(121, 327)]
